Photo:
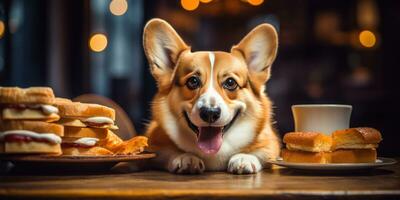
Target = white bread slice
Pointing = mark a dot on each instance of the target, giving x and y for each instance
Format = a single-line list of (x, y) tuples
[(28, 114), (29, 148)]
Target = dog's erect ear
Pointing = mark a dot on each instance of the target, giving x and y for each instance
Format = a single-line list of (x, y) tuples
[(258, 48), (162, 46)]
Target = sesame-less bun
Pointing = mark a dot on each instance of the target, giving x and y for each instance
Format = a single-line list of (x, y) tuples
[(354, 156), (356, 138), (83, 110), (32, 95), (29, 148), (91, 151), (308, 141), (305, 157), (35, 126)]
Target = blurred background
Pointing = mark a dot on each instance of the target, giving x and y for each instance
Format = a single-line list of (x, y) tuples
[(343, 51)]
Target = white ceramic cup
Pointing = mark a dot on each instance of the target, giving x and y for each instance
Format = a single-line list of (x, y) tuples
[(324, 118)]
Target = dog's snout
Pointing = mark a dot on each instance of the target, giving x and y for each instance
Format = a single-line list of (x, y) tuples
[(209, 114)]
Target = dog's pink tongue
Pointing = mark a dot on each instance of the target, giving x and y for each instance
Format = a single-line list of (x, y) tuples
[(210, 139)]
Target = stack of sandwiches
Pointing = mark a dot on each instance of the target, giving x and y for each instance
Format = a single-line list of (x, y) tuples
[(26, 121), (85, 127), (354, 145), (34, 121)]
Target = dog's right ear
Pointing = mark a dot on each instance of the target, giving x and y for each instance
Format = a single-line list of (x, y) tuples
[(162, 46)]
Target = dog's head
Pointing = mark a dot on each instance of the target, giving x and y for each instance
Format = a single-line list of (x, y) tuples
[(207, 93)]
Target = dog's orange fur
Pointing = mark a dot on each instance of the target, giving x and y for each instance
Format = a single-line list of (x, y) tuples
[(172, 63)]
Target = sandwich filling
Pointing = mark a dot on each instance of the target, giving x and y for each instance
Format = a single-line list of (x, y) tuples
[(28, 136), (98, 121), (85, 142)]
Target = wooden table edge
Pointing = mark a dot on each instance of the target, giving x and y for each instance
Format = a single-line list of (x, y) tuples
[(162, 193)]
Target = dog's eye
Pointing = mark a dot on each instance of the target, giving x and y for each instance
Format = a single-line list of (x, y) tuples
[(193, 83), (230, 84)]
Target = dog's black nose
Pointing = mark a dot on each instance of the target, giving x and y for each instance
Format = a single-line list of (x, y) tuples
[(209, 114)]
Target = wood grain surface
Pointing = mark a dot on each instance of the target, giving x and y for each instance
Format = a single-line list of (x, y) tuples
[(277, 183)]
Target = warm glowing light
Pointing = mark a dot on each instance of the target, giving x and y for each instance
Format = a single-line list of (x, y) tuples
[(255, 2), (205, 1), (2, 28), (190, 4), (118, 7), (367, 38), (98, 42)]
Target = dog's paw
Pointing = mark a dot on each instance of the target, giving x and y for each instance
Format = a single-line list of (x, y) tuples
[(244, 164), (186, 164)]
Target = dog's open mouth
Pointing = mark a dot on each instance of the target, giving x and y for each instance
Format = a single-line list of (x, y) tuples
[(209, 138)]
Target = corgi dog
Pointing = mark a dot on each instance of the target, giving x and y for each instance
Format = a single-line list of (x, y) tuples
[(211, 112)]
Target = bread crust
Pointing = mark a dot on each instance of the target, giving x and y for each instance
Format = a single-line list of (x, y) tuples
[(354, 156), (83, 110), (91, 151), (31, 95), (308, 141), (78, 132), (305, 157), (35, 126), (365, 134), (29, 148)]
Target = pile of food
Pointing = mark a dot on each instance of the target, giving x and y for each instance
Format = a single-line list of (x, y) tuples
[(353, 145), (34, 121)]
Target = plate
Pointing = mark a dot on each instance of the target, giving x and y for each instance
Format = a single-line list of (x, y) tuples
[(43, 163), (380, 162)]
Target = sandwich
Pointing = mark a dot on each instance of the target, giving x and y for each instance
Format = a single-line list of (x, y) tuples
[(78, 114), (28, 137), (354, 145), (87, 128), (34, 103)]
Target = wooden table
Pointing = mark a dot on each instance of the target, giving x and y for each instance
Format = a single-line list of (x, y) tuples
[(277, 183)]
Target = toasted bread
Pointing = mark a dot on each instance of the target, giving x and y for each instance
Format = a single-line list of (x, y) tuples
[(77, 110), (29, 148), (35, 126), (32, 95), (77, 132), (305, 157), (308, 141), (28, 114), (356, 138), (354, 156)]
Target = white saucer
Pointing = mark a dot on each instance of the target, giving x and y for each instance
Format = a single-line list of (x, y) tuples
[(380, 162)]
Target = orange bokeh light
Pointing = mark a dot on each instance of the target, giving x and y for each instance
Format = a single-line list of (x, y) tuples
[(205, 1), (190, 4), (98, 42), (255, 2), (367, 38)]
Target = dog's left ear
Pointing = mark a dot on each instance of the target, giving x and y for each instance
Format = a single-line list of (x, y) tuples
[(258, 48)]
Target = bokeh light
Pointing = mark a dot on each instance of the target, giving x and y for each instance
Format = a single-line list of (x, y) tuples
[(118, 7), (190, 4), (367, 38), (98, 42), (255, 2), (2, 28), (205, 1)]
